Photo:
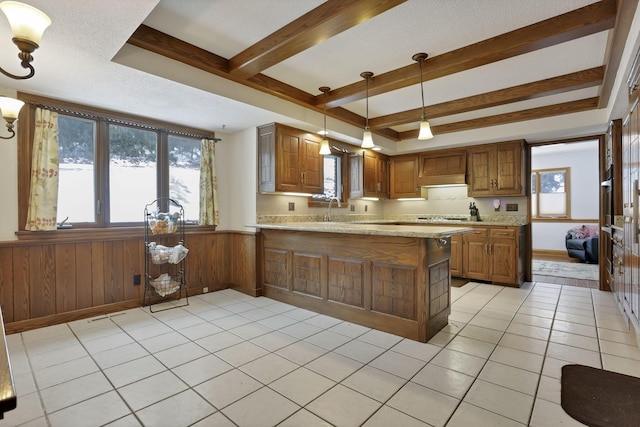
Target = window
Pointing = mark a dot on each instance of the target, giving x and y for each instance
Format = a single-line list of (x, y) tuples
[(132, 172), (550, 193), (110, 167), (332, 179), (184, 174), (77, 142)]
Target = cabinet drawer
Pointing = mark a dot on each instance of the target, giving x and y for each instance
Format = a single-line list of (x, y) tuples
[(477, 232), (503, 233)]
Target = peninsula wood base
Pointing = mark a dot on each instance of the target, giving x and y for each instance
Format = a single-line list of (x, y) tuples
[(399, 285)]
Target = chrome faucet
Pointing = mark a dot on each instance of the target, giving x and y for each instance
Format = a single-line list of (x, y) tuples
[(328, 215)]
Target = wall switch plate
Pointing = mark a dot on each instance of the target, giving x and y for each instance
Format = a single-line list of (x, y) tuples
[(352, 208), (292, 206), (512, 207), (136, 279), (205, 290)]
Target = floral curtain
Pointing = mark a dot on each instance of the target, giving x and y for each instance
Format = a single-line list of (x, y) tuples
[(43, 195), (209, 214)]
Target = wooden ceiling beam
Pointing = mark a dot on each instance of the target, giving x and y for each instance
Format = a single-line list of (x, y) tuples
[(170, 47), (513, 117), (591, 19), (546, 87), (325, 21)]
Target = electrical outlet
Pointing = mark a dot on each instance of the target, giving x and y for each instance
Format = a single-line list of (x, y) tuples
[(292, 206), (366, 208), (205, 290), (352, 208), (136, 279)]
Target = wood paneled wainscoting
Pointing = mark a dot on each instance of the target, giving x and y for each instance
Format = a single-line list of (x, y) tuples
[(58, 277)]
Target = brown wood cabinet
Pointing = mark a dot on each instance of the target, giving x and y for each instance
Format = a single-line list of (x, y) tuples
[(442, 167), (496, 169), (493, 253), (289, 160), (455, 259), (369, 175), (404, 176)]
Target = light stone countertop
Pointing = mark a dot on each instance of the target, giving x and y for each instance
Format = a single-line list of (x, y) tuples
[(428, 231)]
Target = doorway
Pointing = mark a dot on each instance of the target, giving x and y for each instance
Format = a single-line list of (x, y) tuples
[(565, 205)]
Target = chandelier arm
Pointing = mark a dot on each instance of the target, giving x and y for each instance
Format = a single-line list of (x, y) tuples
[(24, 65), (13, 133)]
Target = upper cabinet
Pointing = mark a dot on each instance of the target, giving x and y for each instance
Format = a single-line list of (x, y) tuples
[(369, 175), (404, 177), (442, 167), (289, 160), (496, 169)]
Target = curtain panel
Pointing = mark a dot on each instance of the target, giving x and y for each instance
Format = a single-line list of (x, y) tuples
[(43, 194), (209, 214)]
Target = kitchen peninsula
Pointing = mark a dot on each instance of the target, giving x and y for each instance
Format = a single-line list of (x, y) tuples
[(393, 278)]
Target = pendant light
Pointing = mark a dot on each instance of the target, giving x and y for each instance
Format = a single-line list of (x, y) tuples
[(367, 138), (425, 128), (324, 147)]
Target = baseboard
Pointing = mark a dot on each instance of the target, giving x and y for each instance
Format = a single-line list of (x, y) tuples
[(551, 253), (102, 310)]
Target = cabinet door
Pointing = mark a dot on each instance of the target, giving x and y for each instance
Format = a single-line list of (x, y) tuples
[(403, 177), (509, 177), (356, 171), (503, 254), (382, 176), (266, 159), (475, 251), (289, 176), (370, 174), (455, 260), (482, 166), (312, 165)]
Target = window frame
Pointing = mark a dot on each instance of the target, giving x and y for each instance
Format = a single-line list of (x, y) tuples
[(567, 195), (101, 162), (342, 151)]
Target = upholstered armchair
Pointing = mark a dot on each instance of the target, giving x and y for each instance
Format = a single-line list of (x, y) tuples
[(583, 243)]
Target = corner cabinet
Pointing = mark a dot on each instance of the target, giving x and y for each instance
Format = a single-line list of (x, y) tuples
[(369, 175), (493, 253), (164, 262), (496, 169), (289, 160)]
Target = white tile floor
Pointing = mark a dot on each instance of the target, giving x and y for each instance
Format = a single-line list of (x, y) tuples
[(228, 359)]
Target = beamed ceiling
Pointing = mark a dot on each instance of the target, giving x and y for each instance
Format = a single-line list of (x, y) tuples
[(496, 69), (334, 18)]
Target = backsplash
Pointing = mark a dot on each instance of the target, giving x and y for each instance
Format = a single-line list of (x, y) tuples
[(450, 202)]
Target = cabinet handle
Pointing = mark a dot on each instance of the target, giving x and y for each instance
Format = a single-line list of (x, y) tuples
[(502, 233)]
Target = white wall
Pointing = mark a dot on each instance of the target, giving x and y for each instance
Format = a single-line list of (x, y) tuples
[(8, 178), (584, 183), (236, 166)]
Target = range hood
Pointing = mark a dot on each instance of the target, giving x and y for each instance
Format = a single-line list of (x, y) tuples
[(438, 180)]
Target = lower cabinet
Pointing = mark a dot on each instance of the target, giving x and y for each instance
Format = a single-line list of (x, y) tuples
[(455, 259), (491, 253)]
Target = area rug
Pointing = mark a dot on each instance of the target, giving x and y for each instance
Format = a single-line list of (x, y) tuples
[(575, 270), (600, 398)]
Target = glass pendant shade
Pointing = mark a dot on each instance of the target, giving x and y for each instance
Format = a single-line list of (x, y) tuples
[(27, 22), (324, 147), (10, 107), (425, 130), (367, 139)]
